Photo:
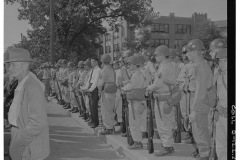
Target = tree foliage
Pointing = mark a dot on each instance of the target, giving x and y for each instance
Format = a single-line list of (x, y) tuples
[(77, 23)]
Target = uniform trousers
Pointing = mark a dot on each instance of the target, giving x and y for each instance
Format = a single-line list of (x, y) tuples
[(136, 109), (165, 124), (118, 106), (221, 138), (67, 94), (107, 109), (73, 99), (94, 106), (200, 130), (81, 98)]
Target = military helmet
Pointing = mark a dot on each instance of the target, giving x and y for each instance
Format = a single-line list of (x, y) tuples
[(127, 53), (222, 54), (195, 45), (218, 43), (70, 64), (106, 58), (80, 64), (162, 50), (87, 63), (64, 61), (142, 59), (184, 49), (134, 60)]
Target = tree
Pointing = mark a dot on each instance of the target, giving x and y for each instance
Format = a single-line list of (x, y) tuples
[(77, 23), (140, 37), (207, 32)]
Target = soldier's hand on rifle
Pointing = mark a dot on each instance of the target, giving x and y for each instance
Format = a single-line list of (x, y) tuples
[(192, 116)]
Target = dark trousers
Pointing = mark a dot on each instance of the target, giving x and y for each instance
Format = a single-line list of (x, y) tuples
[(94, 106), (82, 103)]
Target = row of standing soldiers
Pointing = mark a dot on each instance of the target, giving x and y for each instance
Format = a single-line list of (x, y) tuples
[(134, 87)]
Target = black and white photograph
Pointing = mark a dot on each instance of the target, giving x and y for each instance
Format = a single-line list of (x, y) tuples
[(118, 80)]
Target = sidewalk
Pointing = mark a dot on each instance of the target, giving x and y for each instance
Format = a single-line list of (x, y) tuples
[(119, 143)]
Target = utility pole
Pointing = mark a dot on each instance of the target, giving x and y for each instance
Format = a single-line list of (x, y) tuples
[(21, 39), (52, 30)]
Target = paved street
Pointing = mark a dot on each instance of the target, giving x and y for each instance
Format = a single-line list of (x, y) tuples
[(70, 141)]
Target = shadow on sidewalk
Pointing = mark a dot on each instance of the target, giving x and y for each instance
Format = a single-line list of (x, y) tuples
[(72, 142)]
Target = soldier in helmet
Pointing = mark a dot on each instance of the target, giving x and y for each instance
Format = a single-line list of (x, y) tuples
[(64, 83), (165, 78), (220, 77), (85, 97), (136, 108), (81, 73), (68, 85), (200, 110), (187, 85), (107, 76), (118, 101)]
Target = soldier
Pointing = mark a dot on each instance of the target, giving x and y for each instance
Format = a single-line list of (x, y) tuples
[(118, 101), (93, 90), (81, 76), (107, 76), (125, 73), (73, 96), (136, 108), (144, 68), (164, 79), (64, 83), (200, 110), (83, 88), (220, 77)]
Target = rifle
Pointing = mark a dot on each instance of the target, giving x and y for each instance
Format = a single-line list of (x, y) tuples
[(60, 94), (129, 136), (76, 97), (150, 123), (124, 105), (177, 133), (213, 136)]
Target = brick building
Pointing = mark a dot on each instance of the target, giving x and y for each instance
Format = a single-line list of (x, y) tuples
[(167, 30)]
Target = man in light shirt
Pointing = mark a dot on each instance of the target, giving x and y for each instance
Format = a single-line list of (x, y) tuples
[(92, 88)]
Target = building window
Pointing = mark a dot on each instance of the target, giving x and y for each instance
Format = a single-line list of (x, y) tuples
[(100, 39), (101, 50), (124, 45), (116, 35), (158, 42), (177, 43), (116, 47), (162, 28), (182, 28), (108, 49), (108, 37), (123, 31)]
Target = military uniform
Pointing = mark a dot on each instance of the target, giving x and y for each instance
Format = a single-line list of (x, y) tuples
[(136, 108), (167, 74), (107, 99), (200, 111), (219, 48)]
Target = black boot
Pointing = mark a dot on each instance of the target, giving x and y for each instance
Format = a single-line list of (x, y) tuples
[(144, 135), (75, 110)]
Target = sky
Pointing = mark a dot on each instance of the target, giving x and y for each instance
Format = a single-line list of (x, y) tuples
[(216, 10)]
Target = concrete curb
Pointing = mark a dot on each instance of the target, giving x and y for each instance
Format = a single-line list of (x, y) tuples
[(120, 143)]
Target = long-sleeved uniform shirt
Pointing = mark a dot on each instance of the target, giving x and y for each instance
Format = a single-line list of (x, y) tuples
[(107, 75), (222, 90), (204, 80), (136, 81), (167, 73)]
